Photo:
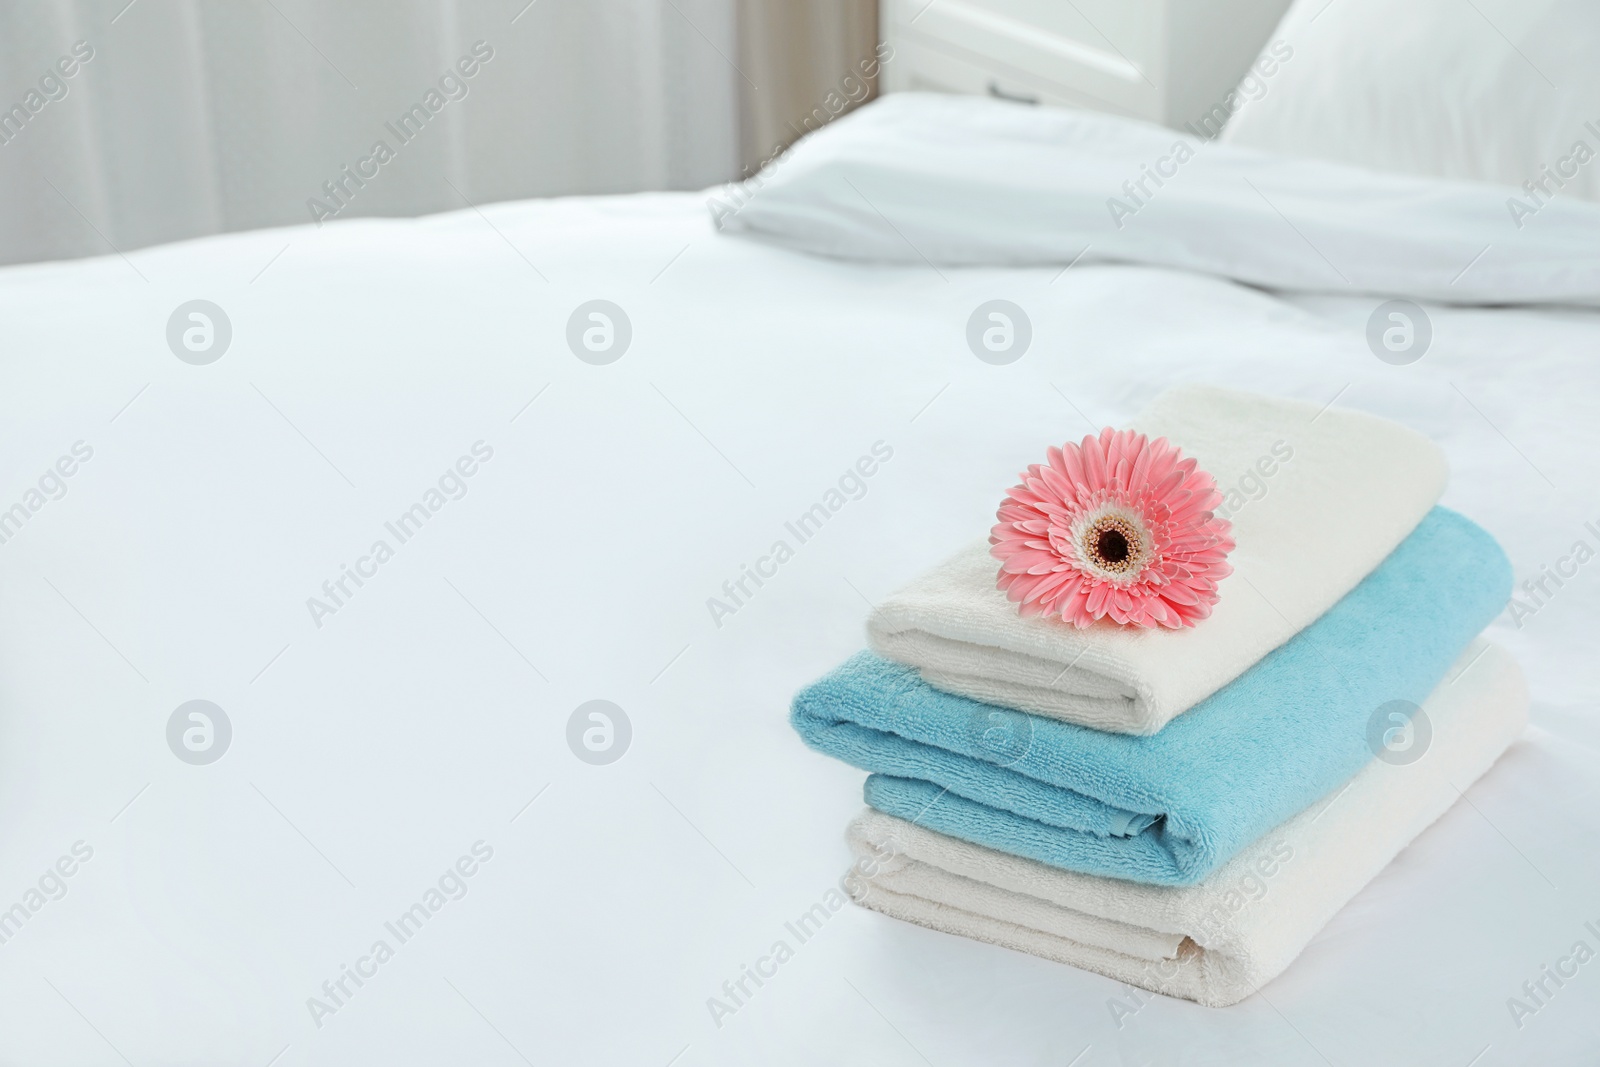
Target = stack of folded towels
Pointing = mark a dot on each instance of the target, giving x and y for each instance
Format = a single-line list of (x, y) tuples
[(1183, 809)]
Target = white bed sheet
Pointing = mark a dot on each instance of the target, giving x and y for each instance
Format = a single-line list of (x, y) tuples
[(369, 754)]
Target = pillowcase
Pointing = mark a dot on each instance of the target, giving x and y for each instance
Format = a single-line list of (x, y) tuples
[(1504, 91), (930, 178)]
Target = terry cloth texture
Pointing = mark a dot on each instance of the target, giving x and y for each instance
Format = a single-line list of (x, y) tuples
[(1170, 808), (1317, 499), (1219, 941)]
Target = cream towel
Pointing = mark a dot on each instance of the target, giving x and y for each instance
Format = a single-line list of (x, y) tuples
[(1219, 941), (1317, 500)]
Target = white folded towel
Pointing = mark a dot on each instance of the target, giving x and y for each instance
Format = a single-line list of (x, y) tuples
[(1317, 499), (1221, 940)]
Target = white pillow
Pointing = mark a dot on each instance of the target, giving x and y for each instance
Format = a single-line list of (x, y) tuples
[(931, 178), (1464, 89)]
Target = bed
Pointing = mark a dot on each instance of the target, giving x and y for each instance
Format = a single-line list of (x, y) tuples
[(582, 502)]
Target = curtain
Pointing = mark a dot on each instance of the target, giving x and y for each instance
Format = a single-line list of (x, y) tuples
[(128, 124), (812, 60)]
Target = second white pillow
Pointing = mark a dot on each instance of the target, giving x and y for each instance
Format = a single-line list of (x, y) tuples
[(1479, 90)]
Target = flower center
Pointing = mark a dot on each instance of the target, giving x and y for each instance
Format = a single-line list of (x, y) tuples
[(1113, 544), (1112, 547)]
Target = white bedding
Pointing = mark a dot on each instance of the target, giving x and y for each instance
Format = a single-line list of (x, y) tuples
[(969, 181), (1513, 93), (424, 715)]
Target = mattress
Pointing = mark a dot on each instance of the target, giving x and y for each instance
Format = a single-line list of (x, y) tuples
[(402, 747)]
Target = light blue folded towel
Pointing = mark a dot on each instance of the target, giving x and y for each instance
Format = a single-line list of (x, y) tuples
[(1169, 808)]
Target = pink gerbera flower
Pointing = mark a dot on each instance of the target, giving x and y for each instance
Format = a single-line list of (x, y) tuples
[(1117, 527)]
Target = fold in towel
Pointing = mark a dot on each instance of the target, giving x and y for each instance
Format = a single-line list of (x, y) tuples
[(1219, 941), (1317, 500), (1170, 808)]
